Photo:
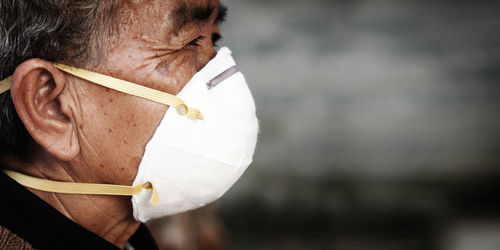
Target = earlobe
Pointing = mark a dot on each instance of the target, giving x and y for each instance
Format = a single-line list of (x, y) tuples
[(38, 92)]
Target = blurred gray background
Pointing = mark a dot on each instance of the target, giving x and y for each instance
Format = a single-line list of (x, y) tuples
[(380, 125)]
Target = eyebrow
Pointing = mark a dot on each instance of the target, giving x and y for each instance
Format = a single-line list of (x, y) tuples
[(185, 14), (222, 15)]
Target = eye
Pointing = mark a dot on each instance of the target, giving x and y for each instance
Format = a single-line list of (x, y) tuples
[(216, 37), (196, 42)]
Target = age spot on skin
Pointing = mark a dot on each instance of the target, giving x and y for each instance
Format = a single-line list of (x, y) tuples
[(135, 161), (163, 69)]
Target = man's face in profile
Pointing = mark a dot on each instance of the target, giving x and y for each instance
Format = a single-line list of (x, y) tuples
[(83, 133), (161, 45)]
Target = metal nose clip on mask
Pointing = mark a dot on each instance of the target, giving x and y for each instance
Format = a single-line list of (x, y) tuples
[(188, 162)]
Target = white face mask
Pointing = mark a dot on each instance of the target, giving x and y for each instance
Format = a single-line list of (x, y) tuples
[(188, 162), (193, 162)]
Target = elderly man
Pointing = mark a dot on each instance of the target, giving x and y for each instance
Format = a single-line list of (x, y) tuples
[(107, 100)]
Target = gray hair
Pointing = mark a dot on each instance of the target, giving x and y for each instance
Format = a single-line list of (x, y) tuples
[(68, 31)]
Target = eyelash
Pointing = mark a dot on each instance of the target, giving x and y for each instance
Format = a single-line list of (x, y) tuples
[(216, 38), (196, 42)]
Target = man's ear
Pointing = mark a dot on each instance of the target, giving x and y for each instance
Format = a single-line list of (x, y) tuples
[(39, 92)]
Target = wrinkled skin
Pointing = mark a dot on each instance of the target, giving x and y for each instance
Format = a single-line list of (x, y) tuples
[(87, 133)]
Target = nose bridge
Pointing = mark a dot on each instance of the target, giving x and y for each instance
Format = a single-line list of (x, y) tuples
[(212, 53), (207, 55)]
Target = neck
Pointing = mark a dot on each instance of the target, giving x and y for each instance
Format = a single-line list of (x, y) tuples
[(107, 216)]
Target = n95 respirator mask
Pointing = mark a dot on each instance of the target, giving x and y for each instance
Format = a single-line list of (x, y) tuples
[(195, 154), (193, 162)]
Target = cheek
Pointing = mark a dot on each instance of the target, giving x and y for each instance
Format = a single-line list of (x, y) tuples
[(120, 132), (131, 132), (208, 54), (172, 75)]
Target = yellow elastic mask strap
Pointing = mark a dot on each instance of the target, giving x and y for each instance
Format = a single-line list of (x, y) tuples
[(133, 89), (81, 188), (5, 84), (125, 87)]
